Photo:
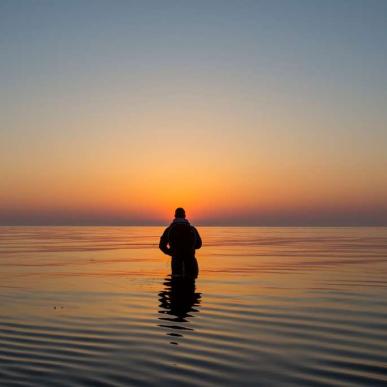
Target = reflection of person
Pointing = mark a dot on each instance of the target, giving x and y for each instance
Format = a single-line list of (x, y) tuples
[(178, 301), (180, 240), (178, 298)]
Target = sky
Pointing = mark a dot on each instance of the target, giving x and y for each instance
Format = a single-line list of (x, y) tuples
[(268, 113)]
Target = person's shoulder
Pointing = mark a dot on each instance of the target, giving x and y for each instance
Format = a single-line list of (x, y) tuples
[(167, 229)]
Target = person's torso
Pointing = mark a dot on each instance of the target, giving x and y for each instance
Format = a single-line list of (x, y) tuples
[(182, 239)]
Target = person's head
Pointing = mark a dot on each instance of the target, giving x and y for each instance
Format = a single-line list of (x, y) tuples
[(179, 212)]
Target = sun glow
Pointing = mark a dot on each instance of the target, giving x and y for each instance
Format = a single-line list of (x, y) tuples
[(115, 124)]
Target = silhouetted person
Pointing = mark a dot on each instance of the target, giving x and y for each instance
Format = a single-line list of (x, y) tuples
[(180, 240)]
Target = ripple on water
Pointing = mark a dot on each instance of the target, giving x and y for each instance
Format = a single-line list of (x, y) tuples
[(94, 306)]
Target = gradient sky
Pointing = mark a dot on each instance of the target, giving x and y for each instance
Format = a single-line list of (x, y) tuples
[(244, 112)]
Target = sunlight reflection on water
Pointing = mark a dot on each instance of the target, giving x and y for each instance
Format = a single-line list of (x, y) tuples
[(272, 306)]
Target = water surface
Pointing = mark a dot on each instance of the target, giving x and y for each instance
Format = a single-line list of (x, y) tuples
[(271, 306)]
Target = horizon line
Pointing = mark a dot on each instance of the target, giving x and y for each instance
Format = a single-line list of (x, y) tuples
[(196, 225)]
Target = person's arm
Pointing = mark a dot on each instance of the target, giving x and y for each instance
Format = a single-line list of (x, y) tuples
[(198, 240), (163, 245)]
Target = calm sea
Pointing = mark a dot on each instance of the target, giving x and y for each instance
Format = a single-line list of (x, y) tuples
[(272, 306)]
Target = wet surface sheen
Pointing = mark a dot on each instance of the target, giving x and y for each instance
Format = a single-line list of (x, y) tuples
[(272, 306)]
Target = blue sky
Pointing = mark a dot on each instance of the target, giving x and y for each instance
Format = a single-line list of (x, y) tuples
[(253, 91)]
